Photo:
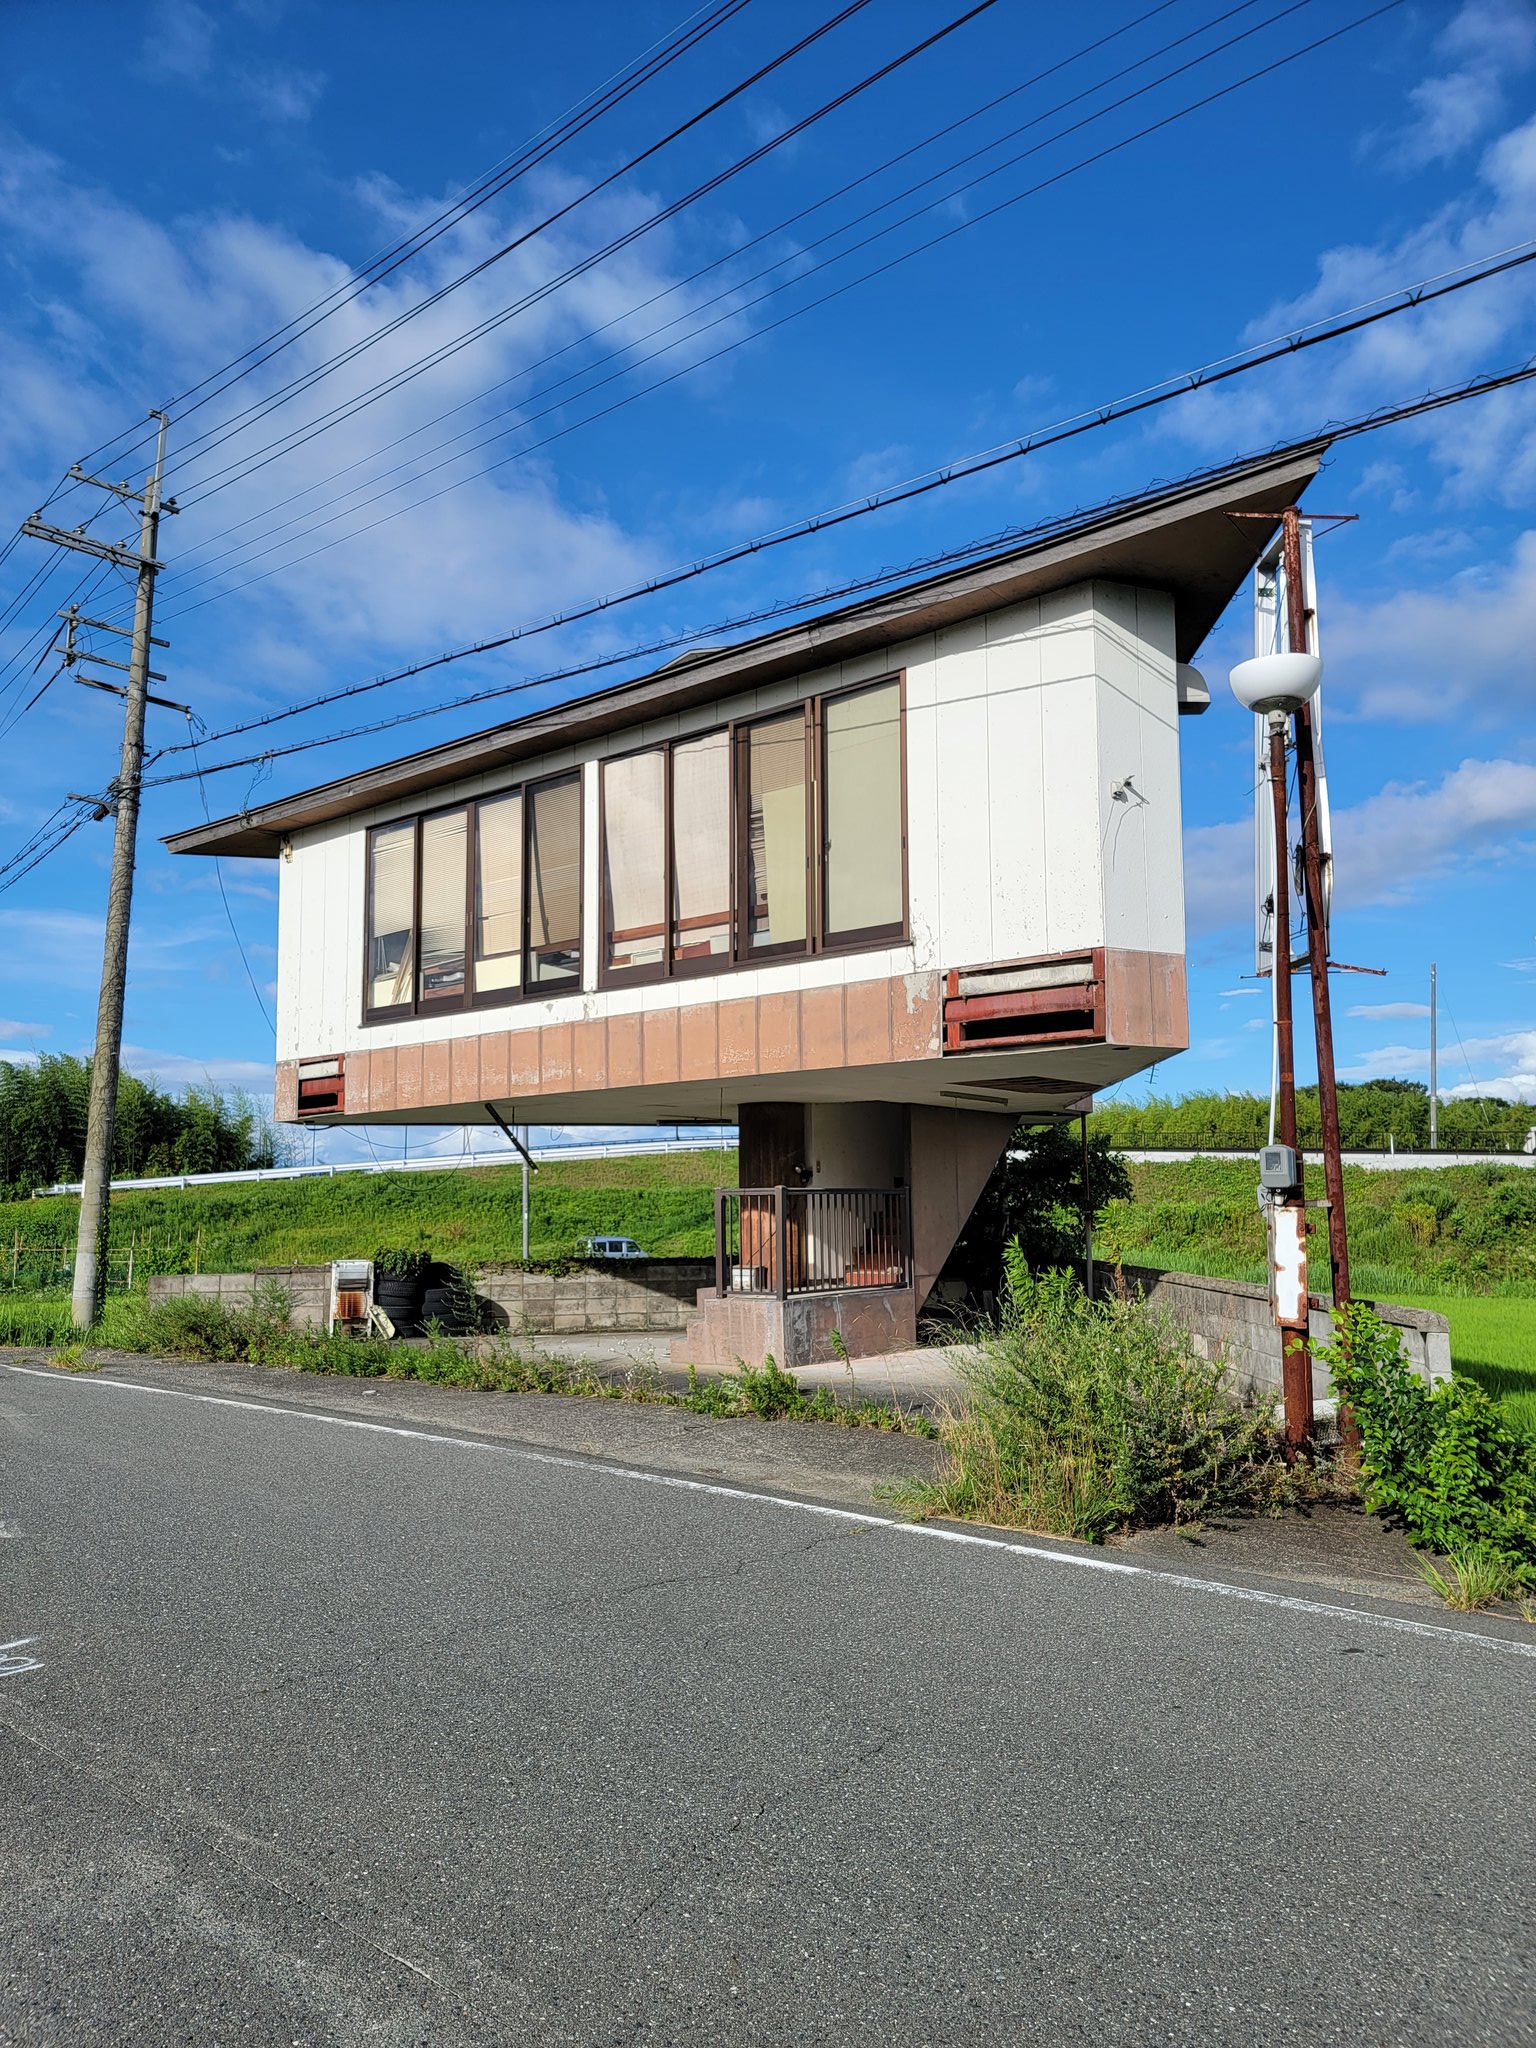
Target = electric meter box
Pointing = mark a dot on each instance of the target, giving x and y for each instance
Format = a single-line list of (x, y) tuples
[(1277, 1168)]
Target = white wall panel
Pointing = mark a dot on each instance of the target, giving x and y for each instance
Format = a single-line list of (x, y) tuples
[(964, 821)]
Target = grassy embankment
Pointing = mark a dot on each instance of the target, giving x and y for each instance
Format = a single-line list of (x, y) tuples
[(1460, 1240), (664, 1200)]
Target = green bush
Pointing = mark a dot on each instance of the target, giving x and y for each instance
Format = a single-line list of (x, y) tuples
[(1091, 1416), (1442, 1461), (405, 1263)]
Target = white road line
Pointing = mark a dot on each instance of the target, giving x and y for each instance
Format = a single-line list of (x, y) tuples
[(12, 1662), (1080, 1561)]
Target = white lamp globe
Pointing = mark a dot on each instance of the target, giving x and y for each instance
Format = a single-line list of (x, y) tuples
[(1277, 682)]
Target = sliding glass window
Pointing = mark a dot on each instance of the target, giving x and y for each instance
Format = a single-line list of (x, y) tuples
[(554, 884), (391, 965), (778, 836), (444, 879), (701, 853), (635, 865), (773, 798), (475, 905), (498, 916), (863, 831)]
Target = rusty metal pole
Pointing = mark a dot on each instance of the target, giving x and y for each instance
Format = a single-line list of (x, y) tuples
[(1296, 1356), (1317, 929), (1317, 953)]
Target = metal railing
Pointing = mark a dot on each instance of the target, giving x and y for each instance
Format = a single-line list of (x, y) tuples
[(793, 1241)]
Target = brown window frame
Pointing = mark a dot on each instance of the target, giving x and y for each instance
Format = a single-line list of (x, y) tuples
[(865, 936), (742, 955), (491, 999)]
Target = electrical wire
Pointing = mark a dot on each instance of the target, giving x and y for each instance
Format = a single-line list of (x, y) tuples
[(216, 436), (625, 353), (218, 872), (849, 285), (36, 851), (348, 408), (676, 43), (1372, 422), (1411, 299)]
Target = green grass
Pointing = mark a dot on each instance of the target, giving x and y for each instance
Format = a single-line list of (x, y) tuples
[(1431, 1231), (663, 1200)]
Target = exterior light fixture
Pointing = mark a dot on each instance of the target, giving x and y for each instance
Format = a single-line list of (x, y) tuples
[(1277, 683)]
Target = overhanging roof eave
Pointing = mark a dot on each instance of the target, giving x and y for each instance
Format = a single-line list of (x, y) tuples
[(1182, 540)]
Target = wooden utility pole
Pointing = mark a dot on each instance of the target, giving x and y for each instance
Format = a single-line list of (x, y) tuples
[(90, 1277)]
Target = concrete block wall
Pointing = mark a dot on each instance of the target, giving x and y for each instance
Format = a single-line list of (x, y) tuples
[(1232, 1319), (652, 1294), (648, 1294)]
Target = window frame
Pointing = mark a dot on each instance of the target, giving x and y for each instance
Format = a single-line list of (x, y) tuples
[(865, 936), (742, 956), (472, 999)]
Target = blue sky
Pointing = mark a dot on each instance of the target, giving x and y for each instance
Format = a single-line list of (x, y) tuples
[(176, 182)]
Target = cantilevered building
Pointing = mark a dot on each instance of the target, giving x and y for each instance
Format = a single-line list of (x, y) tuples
[(874, 886)]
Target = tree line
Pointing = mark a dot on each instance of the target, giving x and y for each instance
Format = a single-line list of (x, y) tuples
[(1374, 1116), (43, 1106)]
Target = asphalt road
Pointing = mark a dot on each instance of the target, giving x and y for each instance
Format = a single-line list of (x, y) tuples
[(329, 1733)]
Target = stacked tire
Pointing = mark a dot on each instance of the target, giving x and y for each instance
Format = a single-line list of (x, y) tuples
[(448, 1301), (400, 1296)]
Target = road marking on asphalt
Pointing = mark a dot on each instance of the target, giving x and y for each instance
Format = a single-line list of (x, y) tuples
[(524, 1454), (12, 1660)]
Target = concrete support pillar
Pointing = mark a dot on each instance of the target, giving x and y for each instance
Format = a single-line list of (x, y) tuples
[(953, 1152)]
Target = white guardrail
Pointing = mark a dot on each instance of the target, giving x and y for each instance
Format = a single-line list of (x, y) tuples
[(1378, 1162), (504, 1157)]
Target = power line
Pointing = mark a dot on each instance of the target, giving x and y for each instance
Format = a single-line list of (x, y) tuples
[(1411, 299), (234, 932), (838, 291), (624, 353), (676, 43), (1336, 431), (214, 437), (347, 408)]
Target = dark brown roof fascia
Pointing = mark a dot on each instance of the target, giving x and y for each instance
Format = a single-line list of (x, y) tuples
[(1183, 541)]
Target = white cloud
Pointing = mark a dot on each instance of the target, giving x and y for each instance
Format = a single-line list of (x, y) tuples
[(1385, 848), (283, 95), (11, 1027), (180, 41), (1388, 1010), (1431, 654), (496, 547), (1408, 833), (175, 1070), (1487, 44), (1504, 1064), (1487, 448)]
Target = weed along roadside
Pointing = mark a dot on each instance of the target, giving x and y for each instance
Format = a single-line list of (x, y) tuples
[(262, 1333)]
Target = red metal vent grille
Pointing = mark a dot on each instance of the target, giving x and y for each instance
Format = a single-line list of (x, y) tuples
[(1055, 999)]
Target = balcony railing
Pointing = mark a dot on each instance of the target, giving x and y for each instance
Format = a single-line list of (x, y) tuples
[(794, 1241)]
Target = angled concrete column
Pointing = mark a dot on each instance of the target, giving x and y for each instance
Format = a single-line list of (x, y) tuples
[(953, 1152)]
